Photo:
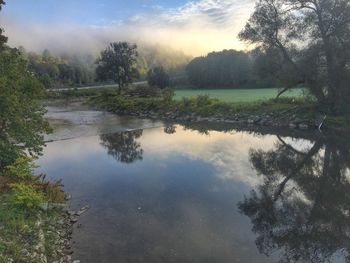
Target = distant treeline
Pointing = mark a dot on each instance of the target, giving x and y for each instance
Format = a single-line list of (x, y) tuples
[(67, 70), (233, 69), (56, 71), (225, 69)]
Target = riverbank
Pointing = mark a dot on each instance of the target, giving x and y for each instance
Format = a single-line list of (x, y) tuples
[(35, 223), (277, 113)]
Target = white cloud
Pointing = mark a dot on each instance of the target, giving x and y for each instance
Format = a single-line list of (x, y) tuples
[(196, 28)]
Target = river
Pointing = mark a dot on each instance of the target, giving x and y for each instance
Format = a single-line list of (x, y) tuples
[(163, 192)]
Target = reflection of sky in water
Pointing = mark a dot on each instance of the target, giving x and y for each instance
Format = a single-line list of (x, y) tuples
[(73, 122), (179, 204), (159, 196)]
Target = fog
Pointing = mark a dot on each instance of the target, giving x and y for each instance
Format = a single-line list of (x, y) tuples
[(196, 28)]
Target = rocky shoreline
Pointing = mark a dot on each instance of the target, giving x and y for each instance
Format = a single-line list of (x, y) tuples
[(64, 231), (50, 240), (291, 121)]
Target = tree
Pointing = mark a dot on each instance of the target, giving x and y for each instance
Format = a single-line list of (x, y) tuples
[(21, 114), (118, 63), (313, 37), (228, 68), (3, 39), (157, 77)]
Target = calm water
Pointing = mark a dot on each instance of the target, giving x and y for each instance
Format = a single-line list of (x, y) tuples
[(166, 193)]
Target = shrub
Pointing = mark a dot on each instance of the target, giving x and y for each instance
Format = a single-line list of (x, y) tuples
[(25, 197), (143, 91), (122, 103), (167, 95), (22, 169)]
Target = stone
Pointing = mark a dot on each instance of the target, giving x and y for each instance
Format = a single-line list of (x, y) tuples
[(303, 126), (73, 220), (71, 212), (292, 125), (82, 210)]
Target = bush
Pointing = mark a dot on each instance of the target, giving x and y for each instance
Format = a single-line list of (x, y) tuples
[(25, 197), (167, 95), (143, 91), (203, 100), (122, 103), (22, 169)]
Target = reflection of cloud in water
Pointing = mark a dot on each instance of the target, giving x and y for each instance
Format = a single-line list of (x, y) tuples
[(228, 152), (177, 205)]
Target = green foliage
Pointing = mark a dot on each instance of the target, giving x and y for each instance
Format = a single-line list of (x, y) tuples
[(237, 95), (203, 100), (118, 63), (167, 95), (228, 68), (321, 63), (143, 91), (21, 169), (60, 71), (157, 77), (21, 115), (25, 197)]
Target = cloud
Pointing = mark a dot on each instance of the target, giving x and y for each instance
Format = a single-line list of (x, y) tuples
[(196, 28)]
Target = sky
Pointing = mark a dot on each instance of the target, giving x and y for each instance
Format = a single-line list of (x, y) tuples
[(193, 26)]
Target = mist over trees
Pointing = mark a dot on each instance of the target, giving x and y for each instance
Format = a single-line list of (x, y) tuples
[(158, 77), (313, 38), (228, 68), (234, 69), (67, 70), (57, 71)]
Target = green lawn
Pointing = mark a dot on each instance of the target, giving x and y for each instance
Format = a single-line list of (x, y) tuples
[(237, 95)]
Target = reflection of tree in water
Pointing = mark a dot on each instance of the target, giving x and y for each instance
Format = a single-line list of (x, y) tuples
[(123, 146), (170, 129), (302, 207)]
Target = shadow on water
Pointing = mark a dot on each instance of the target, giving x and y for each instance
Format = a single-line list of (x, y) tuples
[(302, 208)]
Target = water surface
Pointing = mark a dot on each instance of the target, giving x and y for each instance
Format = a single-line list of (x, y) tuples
[(169, 193)]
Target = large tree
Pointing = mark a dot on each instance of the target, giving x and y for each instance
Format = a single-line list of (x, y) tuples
[(118, 62), (21, 114), (313, 37)]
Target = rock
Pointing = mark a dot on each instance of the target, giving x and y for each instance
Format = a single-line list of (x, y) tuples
[(298, 120), (303, 126), (73, 220), (82, 210), (292, 125), (76, 261), (230, 121), (71, 212)]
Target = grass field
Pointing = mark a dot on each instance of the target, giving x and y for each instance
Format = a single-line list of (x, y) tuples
[(237, 95)]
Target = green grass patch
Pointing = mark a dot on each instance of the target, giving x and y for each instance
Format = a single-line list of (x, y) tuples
[(238, 95)]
